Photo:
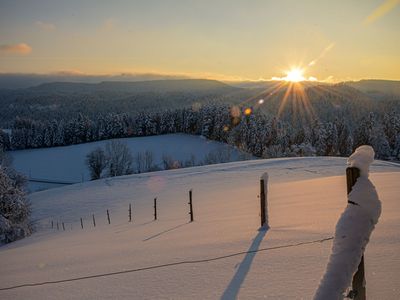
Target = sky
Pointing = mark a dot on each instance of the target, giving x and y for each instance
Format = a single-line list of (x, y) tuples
[(226, 40)]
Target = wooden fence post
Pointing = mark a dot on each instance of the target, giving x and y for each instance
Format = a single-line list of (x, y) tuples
[(52, 224), (130, 213), (63, 226), (94, 221), (264, 200), (155, 208), (190, 206), (58, 227), (358, 283), (108, 217), (81, 223)]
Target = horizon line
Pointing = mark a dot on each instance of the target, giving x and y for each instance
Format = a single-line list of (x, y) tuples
[(178, 76)]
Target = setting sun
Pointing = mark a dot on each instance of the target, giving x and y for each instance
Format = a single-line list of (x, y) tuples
[(295, 75)]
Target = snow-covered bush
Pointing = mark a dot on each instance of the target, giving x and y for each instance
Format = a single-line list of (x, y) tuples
[(303, 149), (353, 230), (14, 210), (169, 163)]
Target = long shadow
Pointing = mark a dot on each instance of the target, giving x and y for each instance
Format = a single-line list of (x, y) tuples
[(165, 231), (232, 291)]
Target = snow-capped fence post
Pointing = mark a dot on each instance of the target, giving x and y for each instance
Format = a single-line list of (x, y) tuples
[(130, 213), (81, 223), (108, 217), (94, 221), (352, 232), (358, 282), (263, 200), (190, 206), (155, 208)]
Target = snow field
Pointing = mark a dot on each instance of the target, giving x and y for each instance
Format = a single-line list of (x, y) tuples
[(305, 199), (67, 163)]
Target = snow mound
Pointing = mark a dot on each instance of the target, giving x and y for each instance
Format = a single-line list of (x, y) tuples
[(362, 158)]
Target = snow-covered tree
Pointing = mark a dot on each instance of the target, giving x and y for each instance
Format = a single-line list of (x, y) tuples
[(14, 209), (396, 150), (4, 140), (345, 140)]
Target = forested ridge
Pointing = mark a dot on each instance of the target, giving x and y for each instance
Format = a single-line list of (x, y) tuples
[(321, 120)]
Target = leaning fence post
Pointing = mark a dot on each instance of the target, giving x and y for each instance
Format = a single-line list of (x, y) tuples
[(263, 200), (108, 217), (130, 213), (190, 206), (94, 221), (155, 208), (358, 283)]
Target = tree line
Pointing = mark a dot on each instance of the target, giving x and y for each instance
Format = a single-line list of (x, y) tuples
[(257, 133)]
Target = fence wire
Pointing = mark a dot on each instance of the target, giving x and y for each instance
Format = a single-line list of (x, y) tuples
[(198, 261)]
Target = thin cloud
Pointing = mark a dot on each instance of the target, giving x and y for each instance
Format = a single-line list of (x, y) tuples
[(70, 72), (381, 10), (45, 26), (21, 49)]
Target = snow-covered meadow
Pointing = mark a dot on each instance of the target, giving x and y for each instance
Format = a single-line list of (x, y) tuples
[(67, 164), (305, 199)]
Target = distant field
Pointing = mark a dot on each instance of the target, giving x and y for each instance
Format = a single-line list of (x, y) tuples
[(67, 164)]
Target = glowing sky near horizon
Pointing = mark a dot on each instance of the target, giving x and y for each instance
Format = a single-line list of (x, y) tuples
[(228, 40)]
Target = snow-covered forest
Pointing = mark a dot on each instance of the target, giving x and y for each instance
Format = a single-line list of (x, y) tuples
[(252, 131)]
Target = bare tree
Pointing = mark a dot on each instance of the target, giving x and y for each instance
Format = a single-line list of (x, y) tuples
[(96, 162), (148, 161), (191, 162), (119, 159)]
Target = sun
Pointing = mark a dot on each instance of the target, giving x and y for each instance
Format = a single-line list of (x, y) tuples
[(295, 75)]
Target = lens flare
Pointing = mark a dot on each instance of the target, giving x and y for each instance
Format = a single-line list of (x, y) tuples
[(248, 111)]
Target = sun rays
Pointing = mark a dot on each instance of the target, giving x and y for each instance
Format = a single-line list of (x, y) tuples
[(295, 75)]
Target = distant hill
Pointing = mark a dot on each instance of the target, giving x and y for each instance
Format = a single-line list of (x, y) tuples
[(63, 99), (377, 88), (67, 99), (313, 100), (19, 81), (160, 86)]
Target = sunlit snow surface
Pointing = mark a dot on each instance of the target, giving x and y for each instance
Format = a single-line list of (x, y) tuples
[(305, 199)]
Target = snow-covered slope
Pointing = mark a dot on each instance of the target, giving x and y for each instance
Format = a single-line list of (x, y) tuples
[(305, 199), (67, 164)]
